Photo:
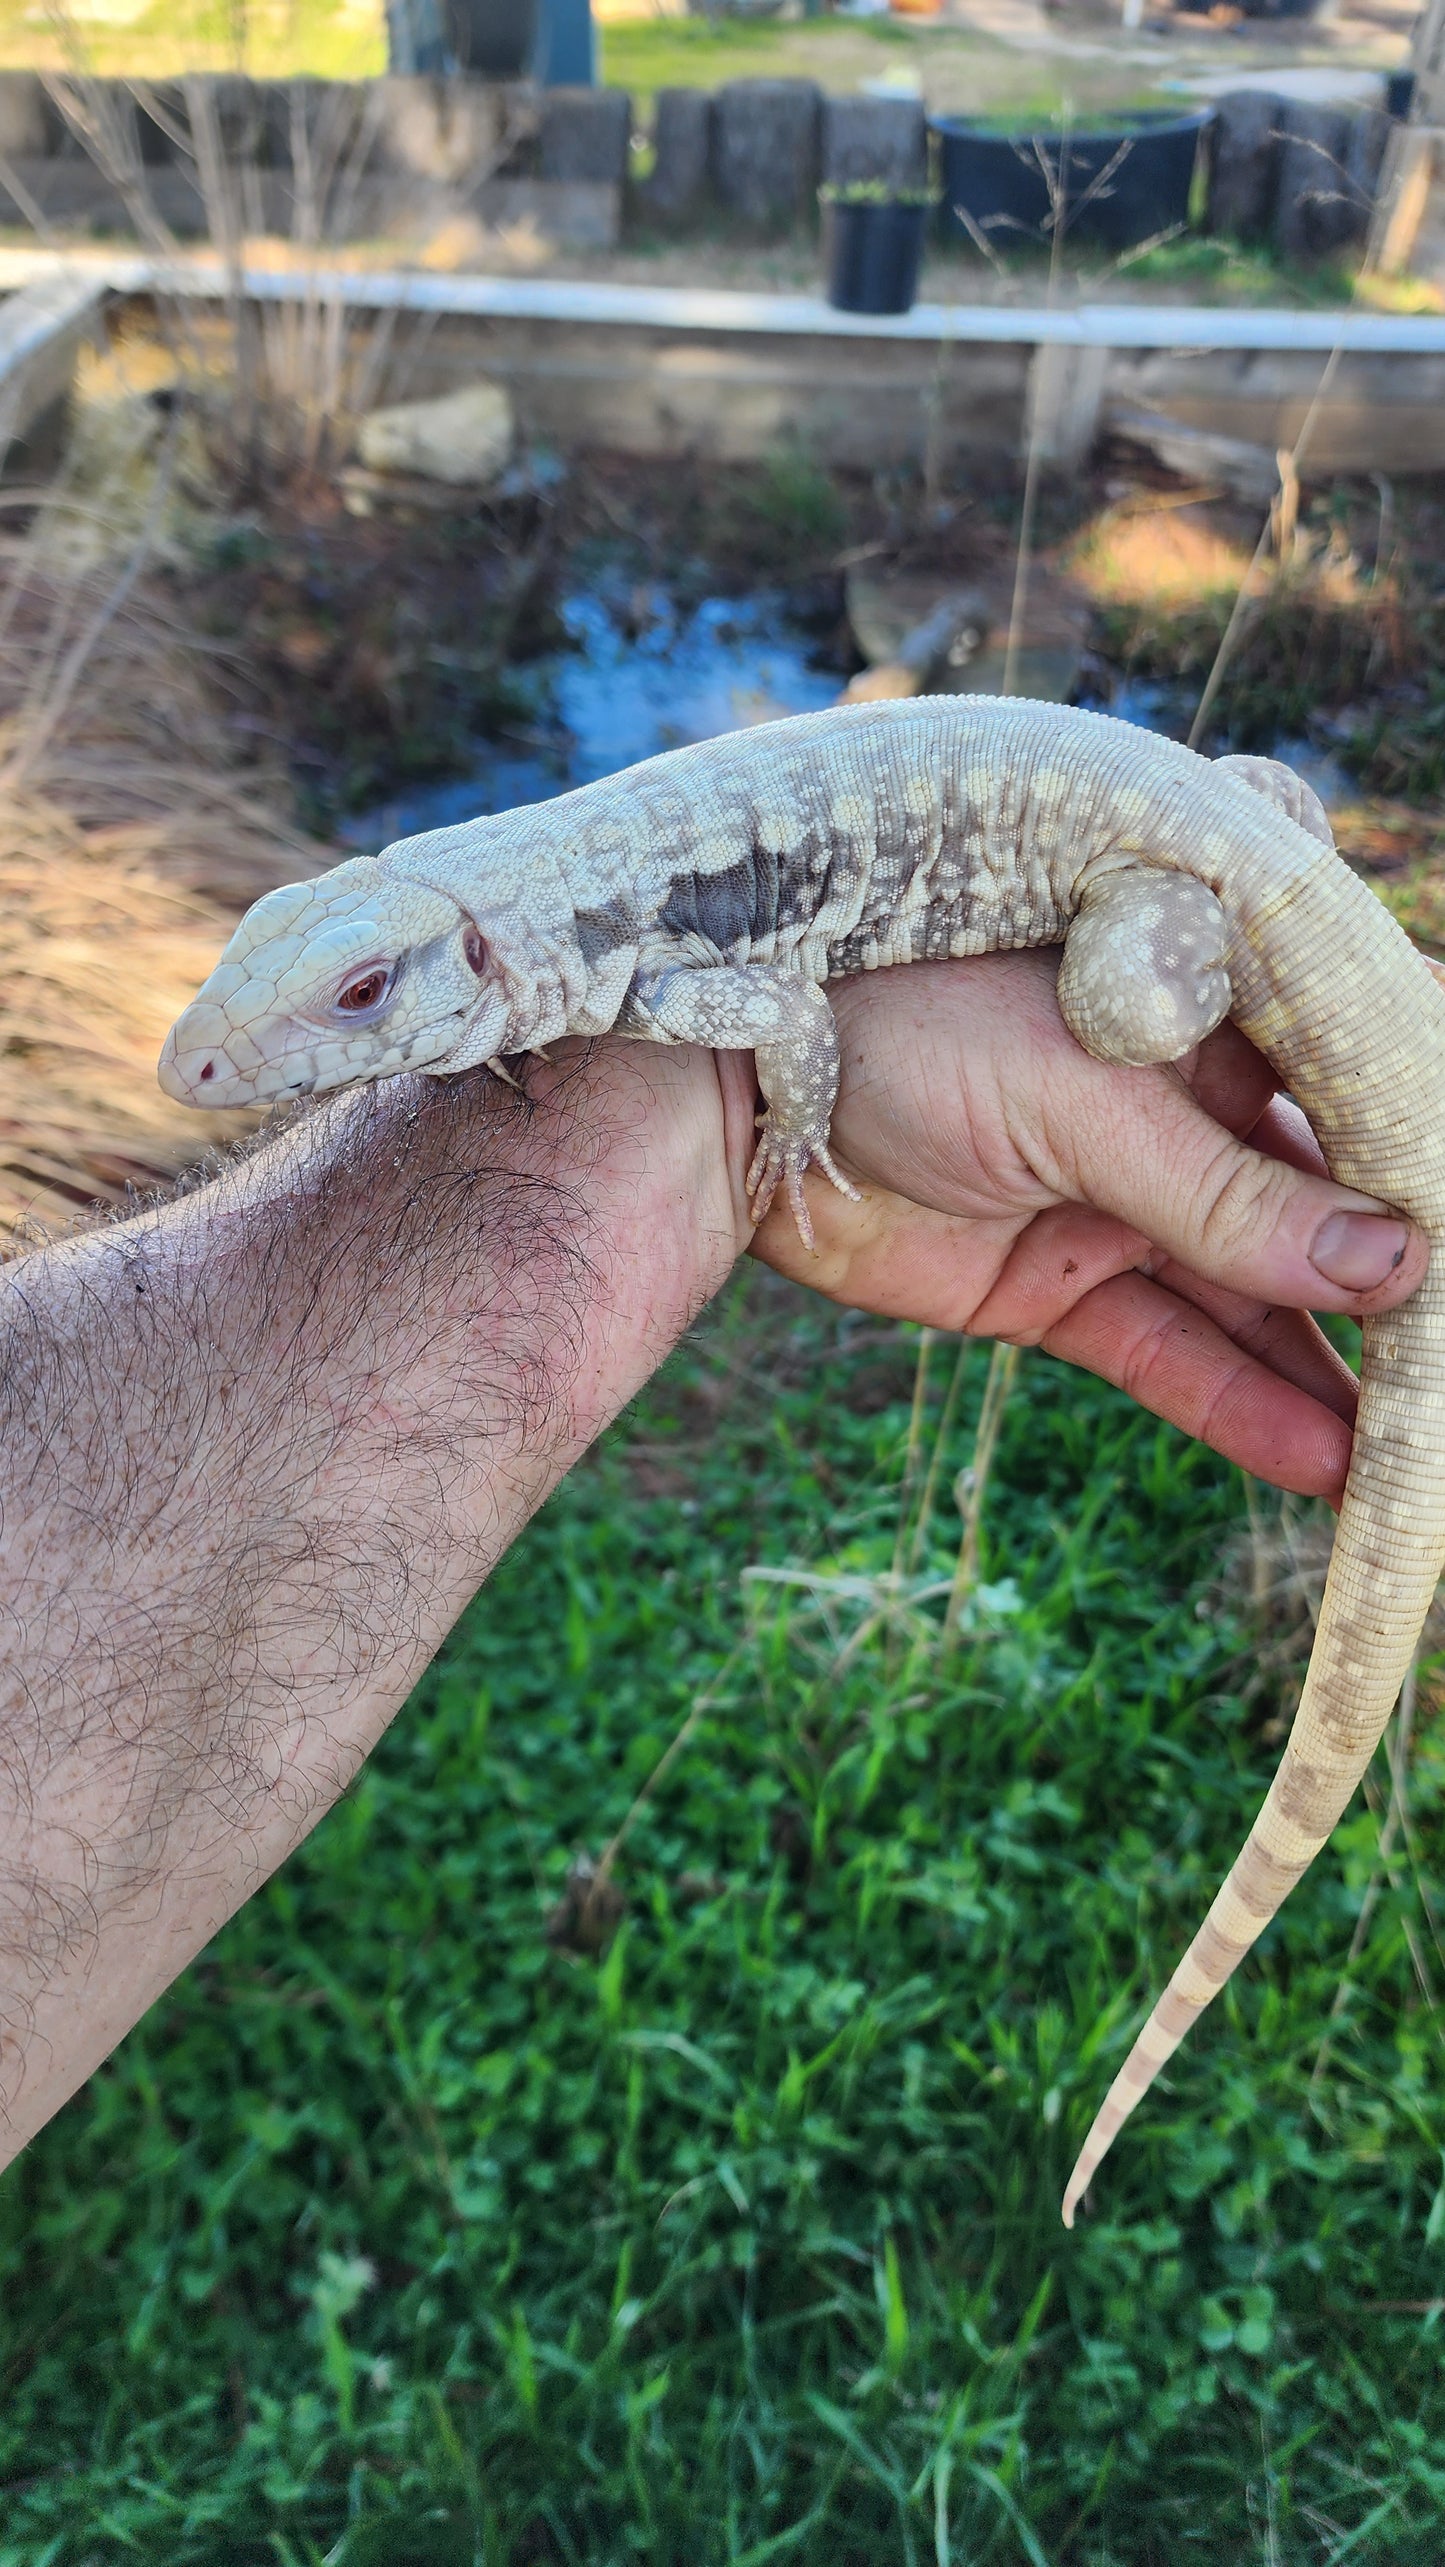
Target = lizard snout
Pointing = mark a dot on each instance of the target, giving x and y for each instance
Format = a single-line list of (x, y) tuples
[(193, 1073), (198, 1064)]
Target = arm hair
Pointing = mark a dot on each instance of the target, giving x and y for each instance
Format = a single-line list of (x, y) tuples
[(258, 1446)]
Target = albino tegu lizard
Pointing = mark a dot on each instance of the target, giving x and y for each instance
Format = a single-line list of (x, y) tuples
[(707, 896)]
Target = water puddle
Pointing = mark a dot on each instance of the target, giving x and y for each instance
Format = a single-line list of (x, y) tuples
[(643, 674), (1153, 705)]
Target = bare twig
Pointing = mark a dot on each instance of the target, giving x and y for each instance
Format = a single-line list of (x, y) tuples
[(935, 1461), (1290, 460), (914, 1446), (702, 1705), (973, 1483), (1023, 555)]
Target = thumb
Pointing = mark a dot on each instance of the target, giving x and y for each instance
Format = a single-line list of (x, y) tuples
[(1145, 1149)]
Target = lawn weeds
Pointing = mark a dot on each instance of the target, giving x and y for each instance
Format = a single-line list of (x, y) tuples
[(400, 2231)]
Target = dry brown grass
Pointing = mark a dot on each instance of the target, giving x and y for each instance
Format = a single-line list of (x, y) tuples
[(99, 953), (132, 831), (1162, 552)]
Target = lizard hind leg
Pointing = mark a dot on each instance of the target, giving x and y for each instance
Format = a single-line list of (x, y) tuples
[(1143, 976)]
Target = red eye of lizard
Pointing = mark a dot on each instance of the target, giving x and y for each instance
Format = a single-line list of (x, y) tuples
[(474, 946), (356, 997)]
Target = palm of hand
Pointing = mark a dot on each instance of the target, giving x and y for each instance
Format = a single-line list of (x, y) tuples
[(1152, 1225)]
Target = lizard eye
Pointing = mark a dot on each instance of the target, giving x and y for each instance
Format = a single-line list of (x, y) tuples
[(474, 946), (361, 993)]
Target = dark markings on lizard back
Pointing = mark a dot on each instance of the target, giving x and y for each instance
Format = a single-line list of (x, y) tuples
[(762, 895), (719, 906), (604, 931)]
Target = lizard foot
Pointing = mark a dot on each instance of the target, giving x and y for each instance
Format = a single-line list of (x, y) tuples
[(786, 1162)]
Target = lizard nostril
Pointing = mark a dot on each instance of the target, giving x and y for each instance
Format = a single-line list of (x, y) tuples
[(207, 1069)]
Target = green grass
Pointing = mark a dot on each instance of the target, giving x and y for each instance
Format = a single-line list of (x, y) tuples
[(272, 39), (959, 68), (397, 2234), (1215, 269)]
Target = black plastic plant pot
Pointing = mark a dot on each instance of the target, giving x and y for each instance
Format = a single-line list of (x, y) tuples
[(1114, 187), (874, 249)]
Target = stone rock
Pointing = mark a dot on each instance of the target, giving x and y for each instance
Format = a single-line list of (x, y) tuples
[(902, 620), (915, 637), (682, 145), (464, 437), (585, 136), (765, 150), (879, 139), (1244, 163), (1246, 471)]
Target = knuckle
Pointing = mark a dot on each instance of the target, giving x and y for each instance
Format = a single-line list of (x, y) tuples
[(1239, 1201)]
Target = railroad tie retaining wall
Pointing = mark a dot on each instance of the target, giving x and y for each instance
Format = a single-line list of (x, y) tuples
[(855, 403), (400, 156), (1300, 176)]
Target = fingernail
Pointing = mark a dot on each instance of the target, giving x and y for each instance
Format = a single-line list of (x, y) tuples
[(1358, 1250)]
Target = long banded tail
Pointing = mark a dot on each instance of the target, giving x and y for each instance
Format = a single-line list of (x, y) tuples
[(1373, 1085)]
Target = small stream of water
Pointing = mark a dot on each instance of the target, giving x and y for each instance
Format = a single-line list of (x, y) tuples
[(1170, 710), (643, 673)]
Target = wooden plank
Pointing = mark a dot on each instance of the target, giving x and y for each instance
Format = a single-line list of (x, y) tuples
[(40, 333)]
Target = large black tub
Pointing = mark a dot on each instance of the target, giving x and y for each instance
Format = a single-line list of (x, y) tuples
[(1116, 185)]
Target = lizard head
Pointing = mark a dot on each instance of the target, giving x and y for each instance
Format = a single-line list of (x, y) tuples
[(363, 972)]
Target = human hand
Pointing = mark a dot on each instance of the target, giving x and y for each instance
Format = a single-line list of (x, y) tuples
[(1165, 1228)]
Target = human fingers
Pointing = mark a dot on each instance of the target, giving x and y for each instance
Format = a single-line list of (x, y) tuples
[(1064, 1254), (1230, 1212), (1272, 1398), (1288, 1341), (1176, 1362), (964, 1090)]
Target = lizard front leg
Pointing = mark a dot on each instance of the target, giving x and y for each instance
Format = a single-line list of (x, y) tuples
[(787, 1023)]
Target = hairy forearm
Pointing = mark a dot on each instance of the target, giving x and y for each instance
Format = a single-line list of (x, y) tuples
[(259, 1448)]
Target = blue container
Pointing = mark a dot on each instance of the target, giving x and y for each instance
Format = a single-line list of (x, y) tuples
[(1115, 186), (569, 45), (494, 39)]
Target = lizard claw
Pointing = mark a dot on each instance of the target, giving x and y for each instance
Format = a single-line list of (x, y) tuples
[(779, 1162)]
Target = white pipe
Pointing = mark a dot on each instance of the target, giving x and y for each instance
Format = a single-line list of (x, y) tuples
[(712, 312)]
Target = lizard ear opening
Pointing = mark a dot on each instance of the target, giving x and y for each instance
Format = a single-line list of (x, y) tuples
[(476, 949)]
